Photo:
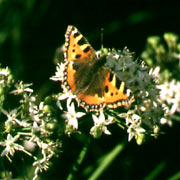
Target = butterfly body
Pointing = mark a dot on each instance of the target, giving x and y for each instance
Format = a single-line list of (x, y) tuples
[(86, 76)]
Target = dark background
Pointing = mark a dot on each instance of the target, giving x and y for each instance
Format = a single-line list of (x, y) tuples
[(30, 32), (36, 28)]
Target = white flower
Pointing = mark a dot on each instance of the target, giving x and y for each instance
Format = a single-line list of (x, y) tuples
[(100, 124), (4, 71), (59, 72), (67, 96), (134, 129), (166, 121), (155, 72), (21, 87), (170, 94), (10, 145), (12, 118), (63, 96), (71, 116)]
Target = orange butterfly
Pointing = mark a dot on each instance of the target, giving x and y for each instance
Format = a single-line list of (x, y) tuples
[(95, 85)]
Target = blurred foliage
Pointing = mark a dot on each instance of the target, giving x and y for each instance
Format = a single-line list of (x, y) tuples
[(164, 52), (13, 15)]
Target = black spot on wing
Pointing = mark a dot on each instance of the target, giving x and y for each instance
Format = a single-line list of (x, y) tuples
[(76, 34), (86, 49), (78, 56), (111, 76), (82, 41), (118, 83), (72, 28), (106, 89)]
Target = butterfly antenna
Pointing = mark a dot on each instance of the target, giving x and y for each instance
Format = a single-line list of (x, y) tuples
[(102, 39)]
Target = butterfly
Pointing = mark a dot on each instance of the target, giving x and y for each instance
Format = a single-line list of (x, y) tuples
[(87, 77)]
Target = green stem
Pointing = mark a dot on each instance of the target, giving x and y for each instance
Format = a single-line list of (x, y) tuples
[(78, 162), (156, 171), (175, 176), (107, 160)]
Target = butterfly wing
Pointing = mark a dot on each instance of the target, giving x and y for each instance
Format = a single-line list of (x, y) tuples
[(80, 59), (115, 93), (77, 48), (85, 76)]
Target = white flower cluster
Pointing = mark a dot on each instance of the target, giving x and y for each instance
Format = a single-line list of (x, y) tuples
[(138, 79), (170, 98)]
